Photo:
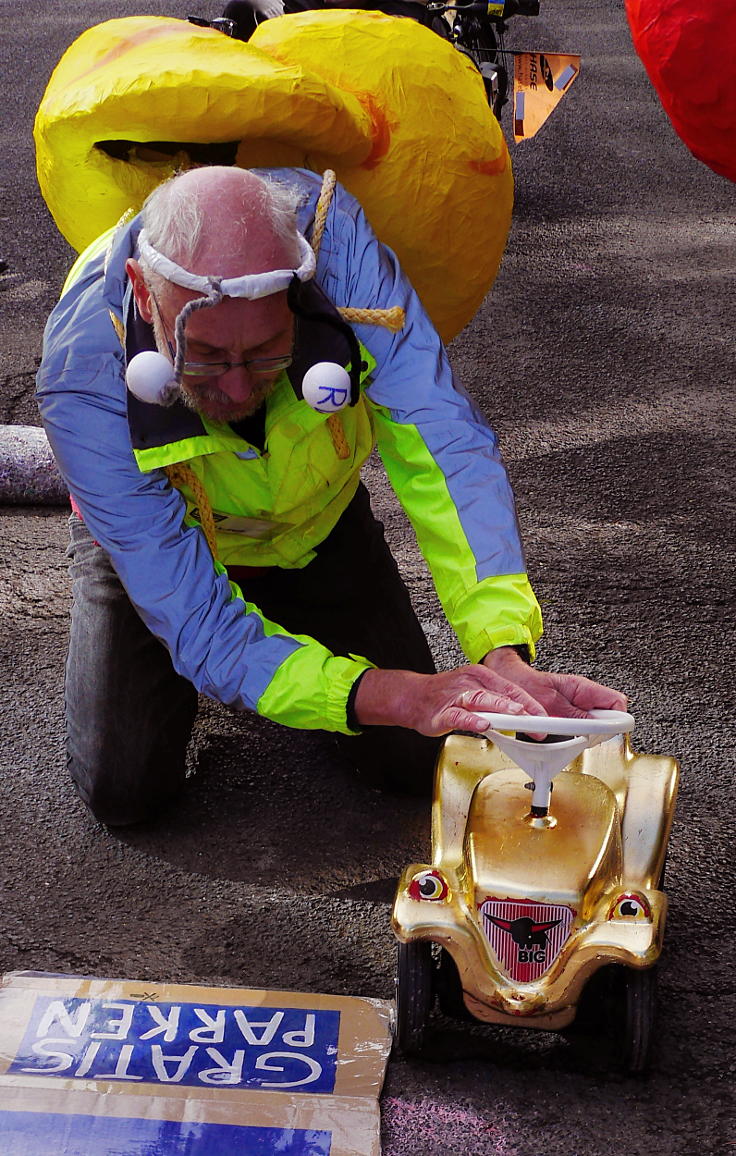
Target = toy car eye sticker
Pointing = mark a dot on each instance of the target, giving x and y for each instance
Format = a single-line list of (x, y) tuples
[(428, 885), (631, 906)]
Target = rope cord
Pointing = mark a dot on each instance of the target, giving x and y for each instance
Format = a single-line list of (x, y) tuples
[(392, 319), (329, 180), (180, 475), (337, 433)]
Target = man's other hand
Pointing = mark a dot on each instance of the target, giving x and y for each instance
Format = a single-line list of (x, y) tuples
[(435, 704), (562, 695)]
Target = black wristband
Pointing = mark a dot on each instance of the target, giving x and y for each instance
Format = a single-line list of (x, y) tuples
[(523, 653), (350, 718)]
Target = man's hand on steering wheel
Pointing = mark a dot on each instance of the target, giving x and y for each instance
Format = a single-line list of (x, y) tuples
[(560, 695), (435, 704)]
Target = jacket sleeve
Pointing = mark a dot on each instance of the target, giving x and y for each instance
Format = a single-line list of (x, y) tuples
[(221, 643), (440, 454)]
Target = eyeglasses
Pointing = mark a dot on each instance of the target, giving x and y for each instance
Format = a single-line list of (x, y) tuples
[(257, 365)]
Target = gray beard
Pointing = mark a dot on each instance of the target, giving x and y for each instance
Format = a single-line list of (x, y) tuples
[(211, 395)]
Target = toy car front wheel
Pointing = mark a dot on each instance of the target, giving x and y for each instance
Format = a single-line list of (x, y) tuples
[(617, 1010), (639, 1002), (414, 995)]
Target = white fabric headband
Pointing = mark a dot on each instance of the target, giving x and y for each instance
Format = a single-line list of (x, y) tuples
[(250, 285), (151, 377)]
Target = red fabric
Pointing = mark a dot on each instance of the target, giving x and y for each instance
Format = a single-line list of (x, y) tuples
[(688, 48)]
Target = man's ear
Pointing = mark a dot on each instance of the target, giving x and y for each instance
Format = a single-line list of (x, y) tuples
[(141, 291)]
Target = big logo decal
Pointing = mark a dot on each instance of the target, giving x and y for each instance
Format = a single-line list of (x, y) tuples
[(525, 936)]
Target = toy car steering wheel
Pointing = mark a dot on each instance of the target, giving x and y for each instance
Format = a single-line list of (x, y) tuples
[(605, 723), (542, 761)]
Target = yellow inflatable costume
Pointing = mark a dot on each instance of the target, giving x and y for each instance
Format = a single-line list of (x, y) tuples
[(396, 111)]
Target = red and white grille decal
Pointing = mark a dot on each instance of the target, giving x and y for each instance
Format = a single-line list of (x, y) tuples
[(525, 936)]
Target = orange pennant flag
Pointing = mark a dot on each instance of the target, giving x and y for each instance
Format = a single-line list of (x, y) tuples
[(540, 82)]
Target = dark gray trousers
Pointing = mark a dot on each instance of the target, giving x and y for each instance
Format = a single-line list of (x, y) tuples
[(130, 715)]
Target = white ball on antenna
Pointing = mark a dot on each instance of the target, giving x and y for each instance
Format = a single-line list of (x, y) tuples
[(326, 387), (150, 378)]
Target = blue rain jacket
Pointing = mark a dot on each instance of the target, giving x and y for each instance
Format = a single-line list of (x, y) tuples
[(439, 453)]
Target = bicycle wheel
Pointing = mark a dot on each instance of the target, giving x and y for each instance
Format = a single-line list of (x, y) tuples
[(477, 40)]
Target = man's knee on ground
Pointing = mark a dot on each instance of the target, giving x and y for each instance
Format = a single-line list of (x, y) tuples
[(117, 798), (391, 759)]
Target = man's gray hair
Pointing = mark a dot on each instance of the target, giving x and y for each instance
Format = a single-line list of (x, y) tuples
[(176, 223)]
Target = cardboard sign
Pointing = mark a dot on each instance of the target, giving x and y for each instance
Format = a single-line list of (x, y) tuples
[(540, 82), (91, 1067)]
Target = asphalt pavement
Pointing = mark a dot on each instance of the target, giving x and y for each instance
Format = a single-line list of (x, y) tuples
[(604, 359)]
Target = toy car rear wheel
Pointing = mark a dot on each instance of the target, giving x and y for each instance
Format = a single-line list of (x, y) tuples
[(414, 995), (449, 988)]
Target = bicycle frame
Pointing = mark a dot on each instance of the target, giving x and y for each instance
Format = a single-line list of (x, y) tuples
[(477, 30)]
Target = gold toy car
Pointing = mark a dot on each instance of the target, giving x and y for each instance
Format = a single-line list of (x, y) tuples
[(539, 888)]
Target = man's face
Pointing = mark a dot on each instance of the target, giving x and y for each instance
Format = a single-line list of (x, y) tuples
[(232, 332)]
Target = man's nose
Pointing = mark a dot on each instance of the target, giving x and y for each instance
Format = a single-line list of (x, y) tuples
[(236, 383)]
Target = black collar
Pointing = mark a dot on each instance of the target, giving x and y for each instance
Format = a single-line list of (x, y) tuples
[(321, 335)]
